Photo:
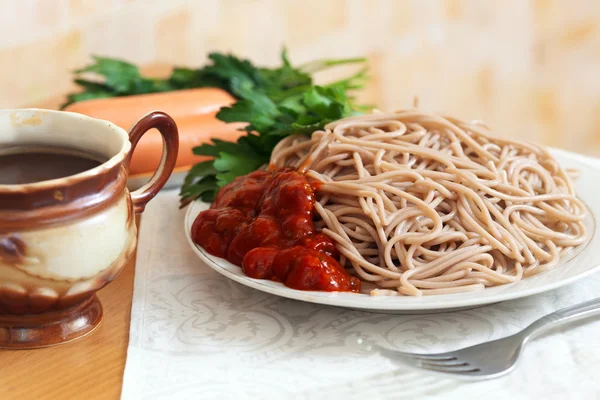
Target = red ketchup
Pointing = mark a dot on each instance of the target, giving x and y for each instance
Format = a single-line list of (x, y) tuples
[(263, 222)]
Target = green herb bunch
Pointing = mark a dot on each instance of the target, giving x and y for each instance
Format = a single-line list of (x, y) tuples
[(274, 102)]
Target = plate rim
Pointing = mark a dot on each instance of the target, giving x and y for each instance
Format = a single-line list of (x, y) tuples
[(403, 303)]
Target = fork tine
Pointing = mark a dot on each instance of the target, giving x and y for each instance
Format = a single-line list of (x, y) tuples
[(416, 356), (451, 369), (436, 357), (452, 362)]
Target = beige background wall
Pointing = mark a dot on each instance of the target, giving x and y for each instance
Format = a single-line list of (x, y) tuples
[(530, 68)]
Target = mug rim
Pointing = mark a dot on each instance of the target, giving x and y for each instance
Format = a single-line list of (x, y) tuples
[(104, 166)]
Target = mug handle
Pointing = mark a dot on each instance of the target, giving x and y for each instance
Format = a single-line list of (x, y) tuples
[(168, 130)]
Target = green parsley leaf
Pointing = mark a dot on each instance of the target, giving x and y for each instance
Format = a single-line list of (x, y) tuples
[(205, 188), (232, 165), (119, 75)]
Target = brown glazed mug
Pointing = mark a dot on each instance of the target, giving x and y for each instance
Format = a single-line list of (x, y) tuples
[(62, 240)]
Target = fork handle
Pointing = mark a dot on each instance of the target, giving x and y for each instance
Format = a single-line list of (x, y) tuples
[(566, 315)]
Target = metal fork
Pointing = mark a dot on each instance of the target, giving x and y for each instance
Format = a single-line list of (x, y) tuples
[(490, 359)]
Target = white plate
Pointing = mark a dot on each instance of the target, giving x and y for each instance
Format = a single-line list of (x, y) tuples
[(576, 266)]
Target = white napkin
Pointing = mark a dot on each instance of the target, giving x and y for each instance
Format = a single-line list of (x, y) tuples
[(198, 335)]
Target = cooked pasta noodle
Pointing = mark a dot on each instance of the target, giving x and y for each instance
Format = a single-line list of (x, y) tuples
[(422, 204)]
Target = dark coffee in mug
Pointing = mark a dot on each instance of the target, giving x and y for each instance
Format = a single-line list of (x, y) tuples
[(33, 164)]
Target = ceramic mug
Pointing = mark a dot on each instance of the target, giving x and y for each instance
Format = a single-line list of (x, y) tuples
[(62, 240)]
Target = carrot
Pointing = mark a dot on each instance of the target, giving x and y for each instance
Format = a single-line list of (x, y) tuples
[(125, 111), (193, 110), (193, 131)]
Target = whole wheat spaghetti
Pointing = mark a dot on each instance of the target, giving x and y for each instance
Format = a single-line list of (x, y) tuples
[(423, 204)]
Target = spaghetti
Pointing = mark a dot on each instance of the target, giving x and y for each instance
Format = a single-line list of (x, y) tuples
[(421, 204)]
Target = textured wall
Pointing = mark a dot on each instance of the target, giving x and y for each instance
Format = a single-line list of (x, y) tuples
[(530, 68)]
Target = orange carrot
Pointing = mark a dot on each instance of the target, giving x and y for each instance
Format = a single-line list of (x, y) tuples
[(194, 113), (125, 111), (193, 131)]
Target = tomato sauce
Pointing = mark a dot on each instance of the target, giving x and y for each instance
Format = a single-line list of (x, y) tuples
[(263, 222)]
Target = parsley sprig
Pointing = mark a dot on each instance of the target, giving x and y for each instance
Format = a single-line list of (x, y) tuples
[(280, 103), (274, 102), (269, 123)]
